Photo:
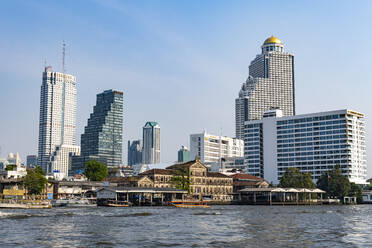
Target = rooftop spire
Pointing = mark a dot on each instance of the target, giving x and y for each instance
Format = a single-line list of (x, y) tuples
[(63, 55)]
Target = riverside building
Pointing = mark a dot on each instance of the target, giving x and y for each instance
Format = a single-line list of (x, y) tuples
[(203, 184), (270, 84), (57, 117), (211, 148), (314, 143), (151, 143), (103, 135)]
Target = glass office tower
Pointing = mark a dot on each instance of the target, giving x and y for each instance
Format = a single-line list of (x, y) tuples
[(102, 137)]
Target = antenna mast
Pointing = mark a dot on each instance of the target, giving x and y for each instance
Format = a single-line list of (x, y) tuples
[(63, 56)]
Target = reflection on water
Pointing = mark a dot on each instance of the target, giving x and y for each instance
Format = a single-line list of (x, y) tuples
[(219, 226)]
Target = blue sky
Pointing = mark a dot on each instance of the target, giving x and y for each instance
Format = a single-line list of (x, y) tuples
[(180, 63)]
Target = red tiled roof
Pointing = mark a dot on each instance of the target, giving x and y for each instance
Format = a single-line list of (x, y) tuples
[(183, 165), (246, 177), (216, 174)]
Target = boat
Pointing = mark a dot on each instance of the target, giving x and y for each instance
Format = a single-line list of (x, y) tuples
[(118, 204), (25, 204), (189, 204), (73, 203)]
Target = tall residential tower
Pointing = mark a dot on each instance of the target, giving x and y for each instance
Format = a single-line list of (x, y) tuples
[(151, 143), (57, 118), (270, 85)]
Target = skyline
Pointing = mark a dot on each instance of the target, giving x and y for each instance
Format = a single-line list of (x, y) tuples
[(123, 39)]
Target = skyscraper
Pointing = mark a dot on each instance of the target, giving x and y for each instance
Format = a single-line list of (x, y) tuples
[(57, 115), (31, 161), (102, 137), (134, 152), (270, 85), (183, 155), (151, 143)]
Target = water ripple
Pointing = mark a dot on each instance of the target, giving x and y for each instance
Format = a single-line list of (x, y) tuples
[(219, 226)]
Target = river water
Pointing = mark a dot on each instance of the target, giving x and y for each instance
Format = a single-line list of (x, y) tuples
[(219, 226)]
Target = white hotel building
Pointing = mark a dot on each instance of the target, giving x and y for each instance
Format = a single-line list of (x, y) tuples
[(210, 148), (313, 143)]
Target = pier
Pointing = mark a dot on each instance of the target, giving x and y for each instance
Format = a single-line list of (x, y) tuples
[(138, 196), (280, 196)]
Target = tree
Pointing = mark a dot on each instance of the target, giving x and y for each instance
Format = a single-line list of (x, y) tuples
[(95, 171), (181, 179), (293, 178), (34, 181), (334, 183), (10, 167), (356, 191), (39, 170)]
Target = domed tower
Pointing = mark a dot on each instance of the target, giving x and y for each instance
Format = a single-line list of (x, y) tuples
[(270, 85), (272, 44)]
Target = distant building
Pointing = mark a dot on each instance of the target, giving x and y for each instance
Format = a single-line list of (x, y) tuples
[(270, 85), (121, 171), (3, 163), (134, 152), (183, 155), (212, 148), (31, 161), (18, 172), (61, 159), (103, 135), (14, 159), (314, 143), (230, 166), (57, 114), (151, 143)]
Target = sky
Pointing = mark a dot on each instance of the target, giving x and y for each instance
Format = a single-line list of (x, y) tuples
[(180, 63)]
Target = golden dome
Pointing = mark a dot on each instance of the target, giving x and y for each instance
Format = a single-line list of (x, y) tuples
[(272, 40)]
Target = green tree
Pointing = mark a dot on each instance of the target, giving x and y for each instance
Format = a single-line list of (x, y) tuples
[(10, 167), (181, 179), (39, 170), (293, 178), (334, 183), (34, 182), (356, 191), (95, 171)]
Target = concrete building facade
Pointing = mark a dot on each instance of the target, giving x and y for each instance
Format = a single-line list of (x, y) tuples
[(314, 143), (57, 114), (61, 159), (270, 84), (212, 148)]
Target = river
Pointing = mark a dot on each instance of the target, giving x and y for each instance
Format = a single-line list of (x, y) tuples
[(219, 226)]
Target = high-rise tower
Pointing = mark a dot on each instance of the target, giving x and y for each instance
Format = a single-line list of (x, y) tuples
[(57, 116), (103, 136), (151, 143), (270, 85), (134, 152)]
